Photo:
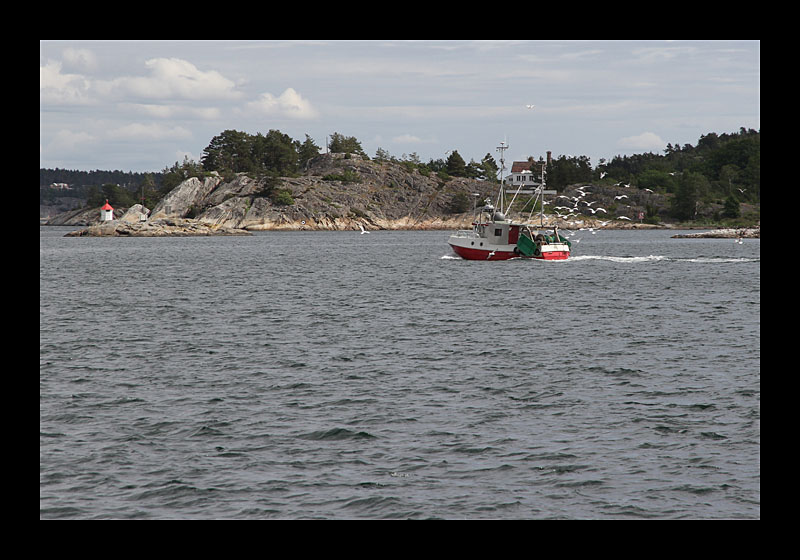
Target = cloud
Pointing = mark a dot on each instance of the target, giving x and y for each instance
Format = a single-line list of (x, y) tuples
[(80, 59), (151, 131), (644, 141), (410, 139), (173, 111), (68, 141), (174, 78), (289, 104), (56, 88)]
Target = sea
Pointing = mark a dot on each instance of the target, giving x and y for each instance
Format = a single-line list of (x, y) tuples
[(343, 376)]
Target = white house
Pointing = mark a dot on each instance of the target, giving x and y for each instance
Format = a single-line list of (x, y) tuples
[(525, 173)]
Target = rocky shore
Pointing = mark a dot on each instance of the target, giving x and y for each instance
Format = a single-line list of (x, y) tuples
[(164, 227), (340, 192), (727, 233)]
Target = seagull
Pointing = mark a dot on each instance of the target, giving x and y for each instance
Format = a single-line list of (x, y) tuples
[(363, 231), (529, 106), (741, 190), (620, 196), (623, 218), (603, 174), (649, 190)]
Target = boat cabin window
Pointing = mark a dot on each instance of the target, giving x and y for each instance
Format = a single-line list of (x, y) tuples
[(498, 232)]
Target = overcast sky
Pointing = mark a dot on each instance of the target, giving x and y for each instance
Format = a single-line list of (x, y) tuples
[(143, 105)]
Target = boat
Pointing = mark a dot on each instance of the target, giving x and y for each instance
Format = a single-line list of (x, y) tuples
[(494, 237)]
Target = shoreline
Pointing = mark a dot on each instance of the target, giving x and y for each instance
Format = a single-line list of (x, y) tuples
[(177, 227)]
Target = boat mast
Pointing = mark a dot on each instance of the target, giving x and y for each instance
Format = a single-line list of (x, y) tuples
[(541, 205), (502, 148)]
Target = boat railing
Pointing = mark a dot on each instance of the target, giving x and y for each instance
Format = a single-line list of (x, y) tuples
[(467, 233)]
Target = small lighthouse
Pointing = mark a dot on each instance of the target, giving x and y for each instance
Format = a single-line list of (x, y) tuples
[(106, 213)]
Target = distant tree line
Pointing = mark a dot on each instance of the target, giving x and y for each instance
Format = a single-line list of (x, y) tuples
[(120, 188)]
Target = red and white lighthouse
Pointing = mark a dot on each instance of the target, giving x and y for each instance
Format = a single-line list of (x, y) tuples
[(106, 213)]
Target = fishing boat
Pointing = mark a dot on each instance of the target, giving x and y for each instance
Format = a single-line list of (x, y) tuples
[(494, 237)]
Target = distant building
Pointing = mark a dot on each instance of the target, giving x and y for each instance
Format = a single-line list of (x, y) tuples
[(525, 173), (106, 213)]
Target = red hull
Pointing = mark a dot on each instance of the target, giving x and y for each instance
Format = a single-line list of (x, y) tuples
[(484, 255)]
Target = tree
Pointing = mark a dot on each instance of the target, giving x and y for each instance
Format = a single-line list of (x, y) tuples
[(455, 165), (691, 187), (731, 208), (489, 166), (274, 151), (229, 151), (568, 170), (382, 155), (346, 144), (306, 151)]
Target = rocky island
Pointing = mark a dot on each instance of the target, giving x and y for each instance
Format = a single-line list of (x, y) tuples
[(338, 191)]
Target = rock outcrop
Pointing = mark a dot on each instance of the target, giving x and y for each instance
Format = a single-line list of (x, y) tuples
[(724, 233), (160, 227)]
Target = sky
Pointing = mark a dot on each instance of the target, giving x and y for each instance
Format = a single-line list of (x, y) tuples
[(144, 105)]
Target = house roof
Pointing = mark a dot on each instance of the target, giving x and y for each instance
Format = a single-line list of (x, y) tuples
[(519, 166)]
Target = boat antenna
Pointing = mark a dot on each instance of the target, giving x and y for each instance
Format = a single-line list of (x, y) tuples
[(501, 148)]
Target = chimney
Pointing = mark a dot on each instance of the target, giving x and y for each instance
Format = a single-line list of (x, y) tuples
[(549, 157)]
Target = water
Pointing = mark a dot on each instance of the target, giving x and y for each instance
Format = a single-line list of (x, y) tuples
[(333, 375)]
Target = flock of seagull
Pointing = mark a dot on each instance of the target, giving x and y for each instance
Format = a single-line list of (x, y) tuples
[(570, 211)]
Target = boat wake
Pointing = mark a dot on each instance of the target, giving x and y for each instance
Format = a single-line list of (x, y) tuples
[(657, 258), (649, 258)]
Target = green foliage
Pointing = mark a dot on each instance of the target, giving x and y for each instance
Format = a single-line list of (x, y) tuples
[(656, 180), (691, 188), (346, 176), (90, 184), (455, 165), (567, 170), (731, 208), (307, 150), (234, 151), (489, 167), (116, 195), (346, 144), (282, 197), (730, 163), (269, 182), (459, 204)]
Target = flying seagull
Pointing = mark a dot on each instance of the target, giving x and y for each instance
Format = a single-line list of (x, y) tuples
[(363, 231), (529, 106), (620, 196)]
